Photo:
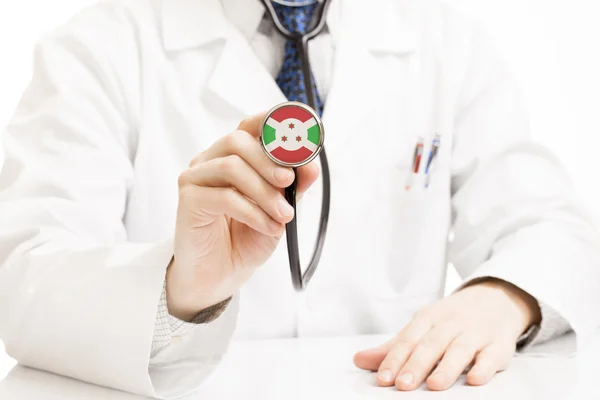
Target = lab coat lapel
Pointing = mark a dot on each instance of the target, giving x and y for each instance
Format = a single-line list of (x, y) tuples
[(352, 95), (240, 80), (239, 84)]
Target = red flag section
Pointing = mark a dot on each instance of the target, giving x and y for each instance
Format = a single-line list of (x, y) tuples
[(291, 157), (291, 112)]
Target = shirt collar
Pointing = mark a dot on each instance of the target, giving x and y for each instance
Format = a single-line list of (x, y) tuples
[(190, 23), (245, 18)]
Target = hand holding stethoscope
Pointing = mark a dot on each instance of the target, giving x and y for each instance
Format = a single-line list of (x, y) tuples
[(284, 147), (230, 213)]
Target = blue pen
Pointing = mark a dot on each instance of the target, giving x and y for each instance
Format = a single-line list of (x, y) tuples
[(435, 145)]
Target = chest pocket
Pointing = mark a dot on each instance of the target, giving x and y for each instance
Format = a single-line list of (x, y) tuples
[(402, 230)]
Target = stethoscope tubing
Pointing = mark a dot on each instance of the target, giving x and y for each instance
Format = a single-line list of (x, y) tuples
[(300, 280)]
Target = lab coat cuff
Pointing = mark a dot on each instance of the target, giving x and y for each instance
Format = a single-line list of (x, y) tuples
[(552, 325), (179, 327), (166, 325), (179, 369), (162, 325)]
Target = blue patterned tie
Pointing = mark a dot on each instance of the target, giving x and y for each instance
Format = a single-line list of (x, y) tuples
[(297, 20)]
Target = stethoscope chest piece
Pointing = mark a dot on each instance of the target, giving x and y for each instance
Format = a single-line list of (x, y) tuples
[(292, 134)]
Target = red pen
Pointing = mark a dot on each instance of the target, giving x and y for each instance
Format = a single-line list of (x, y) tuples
[(416, 162)]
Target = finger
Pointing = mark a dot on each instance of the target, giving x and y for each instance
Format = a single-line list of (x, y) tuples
[(370, 359), (230, 202), (246, 146), (492, 359), (425, 355), (401, 350), (306, 175), (458, 356), (252, 123), (235, 172)]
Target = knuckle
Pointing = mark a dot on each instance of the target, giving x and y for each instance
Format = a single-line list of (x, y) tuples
[(229, 194), (397, 354), (229, 165), (405, 346), (229, 141), (452, 325), (391, 361), (425, 347), (404, 342), (234, 141), (184, 178), (427, 343), (463, 346), (424, 314), (186, 192), (246, 121), (498, 355), (450, 363), (196, 160)]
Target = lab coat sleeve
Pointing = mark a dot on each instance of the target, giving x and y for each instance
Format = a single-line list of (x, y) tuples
[(516, 216), (76, 298)]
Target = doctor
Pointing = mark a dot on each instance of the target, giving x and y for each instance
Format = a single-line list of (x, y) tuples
[(140, 221)]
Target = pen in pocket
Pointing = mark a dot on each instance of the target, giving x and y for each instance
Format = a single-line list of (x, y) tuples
[(416, 162), (435, 145)]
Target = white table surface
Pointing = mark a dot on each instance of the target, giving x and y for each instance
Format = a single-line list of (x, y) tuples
[(322, 368)]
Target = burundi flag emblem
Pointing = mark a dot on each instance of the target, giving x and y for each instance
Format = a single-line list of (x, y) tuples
[(292, 134)]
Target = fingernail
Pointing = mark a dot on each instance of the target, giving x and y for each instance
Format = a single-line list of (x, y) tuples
[(283, 175), (284, 208), (386, 375), (407, 378)]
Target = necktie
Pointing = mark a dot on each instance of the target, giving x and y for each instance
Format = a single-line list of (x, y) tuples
[(290, 79)]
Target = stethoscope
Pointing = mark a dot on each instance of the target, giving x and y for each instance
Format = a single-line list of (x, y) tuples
[(300, 280)]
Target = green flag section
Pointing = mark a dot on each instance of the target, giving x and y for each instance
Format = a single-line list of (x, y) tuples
[(291, 135)]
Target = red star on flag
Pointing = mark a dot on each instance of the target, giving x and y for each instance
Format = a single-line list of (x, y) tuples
[(291, 126), (298, 138), (284, 138)]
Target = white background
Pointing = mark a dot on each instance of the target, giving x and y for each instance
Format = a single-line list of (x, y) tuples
[(553, 47)]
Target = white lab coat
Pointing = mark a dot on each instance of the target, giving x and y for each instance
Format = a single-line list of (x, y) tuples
[(127, 93)]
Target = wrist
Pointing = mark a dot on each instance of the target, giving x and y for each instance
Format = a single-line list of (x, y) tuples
[(526, 307), (185, 301)]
